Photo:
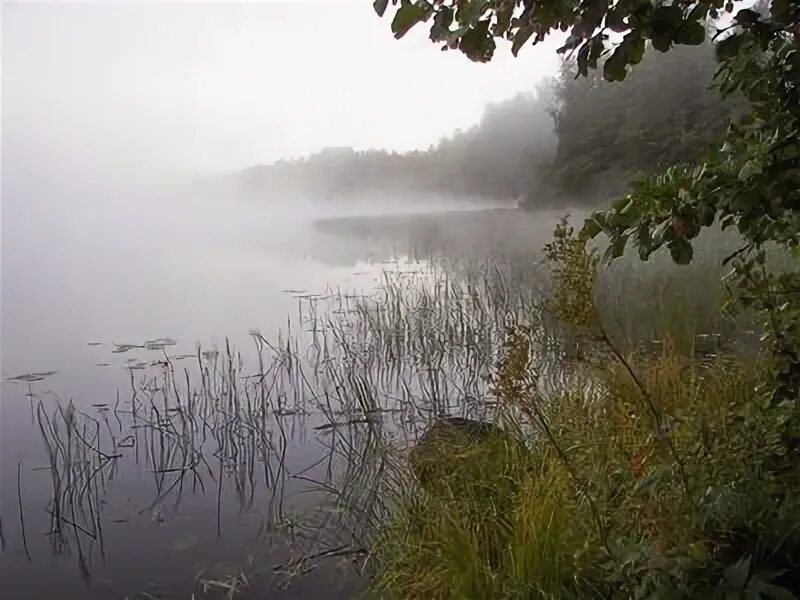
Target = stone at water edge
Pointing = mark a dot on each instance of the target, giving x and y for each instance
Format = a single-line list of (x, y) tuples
[(437, 451)]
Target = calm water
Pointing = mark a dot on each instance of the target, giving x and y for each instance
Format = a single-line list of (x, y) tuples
[(88, 266)]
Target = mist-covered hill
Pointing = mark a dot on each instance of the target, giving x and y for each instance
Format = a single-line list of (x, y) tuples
[(493, 159), (572, 140)]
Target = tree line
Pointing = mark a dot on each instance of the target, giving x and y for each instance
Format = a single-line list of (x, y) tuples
[(572, 140)]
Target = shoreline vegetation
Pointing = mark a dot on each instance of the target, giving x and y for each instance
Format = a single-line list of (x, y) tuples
[(659, 479), (671, 478), (576, 495), (622, 399), (568, 142)]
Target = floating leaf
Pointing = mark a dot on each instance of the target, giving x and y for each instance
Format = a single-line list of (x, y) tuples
[(31, 377), (120, 348), (185, 543)]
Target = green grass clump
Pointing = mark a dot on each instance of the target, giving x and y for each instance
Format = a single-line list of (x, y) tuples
[(673, 478), (494, 520), (595, 503)]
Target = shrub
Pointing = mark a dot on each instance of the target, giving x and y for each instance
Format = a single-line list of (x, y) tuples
[(671, 480)]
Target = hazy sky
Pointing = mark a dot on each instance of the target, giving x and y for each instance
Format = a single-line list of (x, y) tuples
[(225, 85)]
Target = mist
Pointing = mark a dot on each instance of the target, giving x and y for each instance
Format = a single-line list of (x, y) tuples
[(228, 183), (164, 156), (123, 128), (219, 87)]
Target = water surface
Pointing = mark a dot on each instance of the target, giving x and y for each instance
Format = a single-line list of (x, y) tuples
[(103, 284)]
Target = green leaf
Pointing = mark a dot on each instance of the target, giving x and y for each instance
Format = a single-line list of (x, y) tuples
[(380, 6), (691, 34), (583, 59), (523, 35), (698, 12), (736, 574), (620, 203), (572, 42), (775, 592), (615, 19), (406, 17), (645, 239), (616, 249), (634, 50), (591, 228), (667, 19), (780, 10), (478, 43), (705, 214), (749, 169), (440, 30), (503, 18), (596, 49), (729, 47), (662, 42), (614, 67), (747, 16), (468, 12), (681, 251)]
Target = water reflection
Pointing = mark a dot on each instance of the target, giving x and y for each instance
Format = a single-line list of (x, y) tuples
[(274, 457), (261, 463)]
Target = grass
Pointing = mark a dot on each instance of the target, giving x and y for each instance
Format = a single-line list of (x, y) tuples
[(368, 374), (668, 478), (513, 523)]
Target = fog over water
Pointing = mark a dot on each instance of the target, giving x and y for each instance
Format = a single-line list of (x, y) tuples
[(123, 127), (120, 122)]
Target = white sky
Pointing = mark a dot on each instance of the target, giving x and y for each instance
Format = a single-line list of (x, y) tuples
[(218, 86)]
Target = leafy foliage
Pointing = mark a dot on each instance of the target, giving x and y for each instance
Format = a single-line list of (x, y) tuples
[(752, 183), (711, 478), (607, 133), (516, 523), (472, 26)]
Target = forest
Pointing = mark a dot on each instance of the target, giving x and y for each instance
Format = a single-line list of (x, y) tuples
[(569, 140)]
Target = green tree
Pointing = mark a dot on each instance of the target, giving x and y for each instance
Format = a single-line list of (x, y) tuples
[(751, 184), (607, 133), (489, 159)]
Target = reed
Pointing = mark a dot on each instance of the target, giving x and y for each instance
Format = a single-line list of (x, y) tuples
[(366, 375)]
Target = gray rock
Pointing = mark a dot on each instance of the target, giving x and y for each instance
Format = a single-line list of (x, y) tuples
[(443, 446)]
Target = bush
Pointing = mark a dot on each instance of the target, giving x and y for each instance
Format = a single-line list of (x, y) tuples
[(672, 478), (518, 521)]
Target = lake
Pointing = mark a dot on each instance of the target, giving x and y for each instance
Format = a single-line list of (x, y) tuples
[(148, 450)]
